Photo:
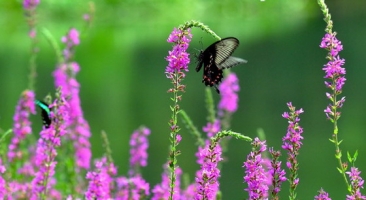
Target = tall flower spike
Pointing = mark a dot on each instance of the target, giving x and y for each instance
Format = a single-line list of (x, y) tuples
[(207, 177), (335, 73), (356, 183), (132, 188), (138, 151), (229, 93), (292, 143), (178, 60), (42, 184), (100, 181), (71, 40), (65, 78), (278, 174), (22, 124), (30, 9), (255, 174)]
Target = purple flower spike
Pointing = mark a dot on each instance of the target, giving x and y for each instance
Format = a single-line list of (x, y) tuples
[(78, 127), (161, 191), (322, 195), (331, 43), (278, 174), (30, 4), (188, 194), (229, 93), (71, 40), (22, 124), (212, 128), (46, 151), (99, 181), (255, 174), (178, 58), (207, 177), (357, 183), (335, 72), (292, 143), (3, 190), (138, 151), (334, 68), (132, 188)]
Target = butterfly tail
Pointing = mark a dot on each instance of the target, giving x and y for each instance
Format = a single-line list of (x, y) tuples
[(231, 62)]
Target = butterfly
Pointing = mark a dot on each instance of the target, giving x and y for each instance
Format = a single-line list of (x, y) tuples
[(46, 117), (216, 58)]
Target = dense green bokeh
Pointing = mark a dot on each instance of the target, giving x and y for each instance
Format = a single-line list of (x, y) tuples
[(123, 83)]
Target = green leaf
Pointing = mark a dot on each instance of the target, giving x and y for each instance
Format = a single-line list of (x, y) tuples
[(349, 189), (349, 157), (5, 134), (339, 155), (355, 156)]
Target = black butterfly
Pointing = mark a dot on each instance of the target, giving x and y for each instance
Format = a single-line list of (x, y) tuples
[(46, 117), (216, 58)]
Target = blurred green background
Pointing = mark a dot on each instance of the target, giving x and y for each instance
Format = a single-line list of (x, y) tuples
[(123, 83)]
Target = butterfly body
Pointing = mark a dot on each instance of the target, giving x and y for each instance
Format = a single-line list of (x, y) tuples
[(46, 113), (216, 58)]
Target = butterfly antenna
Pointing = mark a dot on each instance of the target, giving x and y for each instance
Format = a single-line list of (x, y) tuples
[(199, 50), (200, 42)]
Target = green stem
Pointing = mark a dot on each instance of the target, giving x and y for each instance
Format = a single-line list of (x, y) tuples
[(32, 22), (193, 23), (225, 133), (107, 147), (173, 135), (192, 128), (54, 45), (33, 65), (210, 106), (338, 154)]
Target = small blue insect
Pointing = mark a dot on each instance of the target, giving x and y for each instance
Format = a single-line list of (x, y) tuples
[(46, 113)]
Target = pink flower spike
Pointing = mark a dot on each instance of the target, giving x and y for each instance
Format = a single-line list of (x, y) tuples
[(138, 151), (229, 93)]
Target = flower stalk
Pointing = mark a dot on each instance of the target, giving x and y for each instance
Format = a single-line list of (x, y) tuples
[(292, 143), (178, 60), (335, 74)]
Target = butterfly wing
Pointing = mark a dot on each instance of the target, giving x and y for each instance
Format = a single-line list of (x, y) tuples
[(224, 48), (212, 75), (46, 119), (231, 62), (212, 78), (45, 113)]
